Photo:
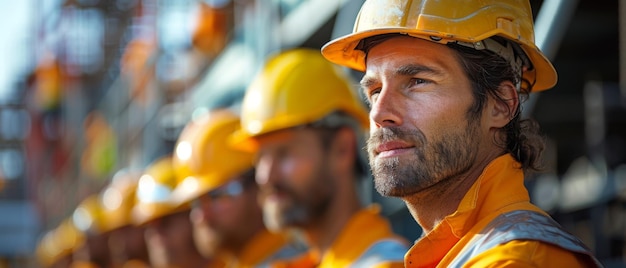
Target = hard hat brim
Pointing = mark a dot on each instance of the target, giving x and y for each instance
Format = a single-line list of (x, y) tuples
[(342, 51)]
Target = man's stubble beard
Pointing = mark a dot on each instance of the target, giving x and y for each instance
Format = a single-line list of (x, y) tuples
[(431, 163), (301, 211)]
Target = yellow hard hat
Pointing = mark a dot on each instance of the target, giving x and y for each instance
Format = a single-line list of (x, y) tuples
[(203, 160), (154, 192), (118, 198), (295, 87), (87, 217), (49, 250), (58, 243), (446, 21)]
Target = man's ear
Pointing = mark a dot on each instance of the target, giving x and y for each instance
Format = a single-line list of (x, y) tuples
[(344, 145), (504, 109)]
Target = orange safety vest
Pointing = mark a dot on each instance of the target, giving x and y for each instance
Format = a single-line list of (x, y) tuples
[(264, 248), (366, 241), (498, 193)]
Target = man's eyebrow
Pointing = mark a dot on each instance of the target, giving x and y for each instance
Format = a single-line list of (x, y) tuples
[(367, 82), (405, 70), (413, 69)]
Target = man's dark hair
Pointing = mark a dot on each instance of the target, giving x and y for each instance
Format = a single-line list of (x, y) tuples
[(486, 70)]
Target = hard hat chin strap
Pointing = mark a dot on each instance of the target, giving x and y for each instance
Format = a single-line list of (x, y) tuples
[(510, 51)]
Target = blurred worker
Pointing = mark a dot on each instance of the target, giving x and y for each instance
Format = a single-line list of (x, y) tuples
[(48, 252), (444, 81), (55, 248), (126, 241), (167, 227), (94, 251), (227, 221), (302, 116)]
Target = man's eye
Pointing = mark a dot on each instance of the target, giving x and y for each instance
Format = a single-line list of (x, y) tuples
[(417, 81), (372, 95)]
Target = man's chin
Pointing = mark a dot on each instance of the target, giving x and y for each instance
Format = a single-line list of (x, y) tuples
[(391, 192), (385, 188)]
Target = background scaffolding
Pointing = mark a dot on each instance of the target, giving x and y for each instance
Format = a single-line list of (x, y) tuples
[(90, 87)]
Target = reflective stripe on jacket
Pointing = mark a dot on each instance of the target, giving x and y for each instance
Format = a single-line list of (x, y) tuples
[(384, 253), (522, 225)]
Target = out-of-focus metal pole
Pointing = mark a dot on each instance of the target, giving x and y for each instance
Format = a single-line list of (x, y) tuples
[(622, 50), (550, 26)]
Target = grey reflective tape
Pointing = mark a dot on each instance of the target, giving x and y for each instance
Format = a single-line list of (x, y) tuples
[(289, 251), (387, 250), (521, 225)]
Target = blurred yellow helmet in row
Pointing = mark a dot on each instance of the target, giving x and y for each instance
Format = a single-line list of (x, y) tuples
[(48, 251), (88, 217), (154, 190), (118, 198), (203, 159), (445, 21), (59, 243), (295, 87)]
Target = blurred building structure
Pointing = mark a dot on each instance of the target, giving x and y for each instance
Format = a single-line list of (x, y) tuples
[(103, 85)]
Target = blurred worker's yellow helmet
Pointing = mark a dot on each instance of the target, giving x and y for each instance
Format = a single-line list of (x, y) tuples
[(154, 191), (203, 159), (444, 21), (48, 250), (295, 87), (58, 243), (87, 217), (118, 198)]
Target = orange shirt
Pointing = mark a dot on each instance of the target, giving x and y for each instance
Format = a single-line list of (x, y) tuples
[(499, 189), (264, 248), (366, 241)]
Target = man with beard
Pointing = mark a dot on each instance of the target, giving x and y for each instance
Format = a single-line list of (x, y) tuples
[(218, 181), (57, 246), (167, 235), (125, 240), (444, 82), (307, 127), (94, 250)]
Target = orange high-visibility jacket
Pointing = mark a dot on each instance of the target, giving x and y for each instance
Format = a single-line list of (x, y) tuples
[(366, 241), (264, 248), (498, 203)]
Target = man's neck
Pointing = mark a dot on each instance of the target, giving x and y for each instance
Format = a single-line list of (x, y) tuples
[(430, 206)]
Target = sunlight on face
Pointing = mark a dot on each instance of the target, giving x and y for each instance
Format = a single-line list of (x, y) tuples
[(296, 186), (419, 98)]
